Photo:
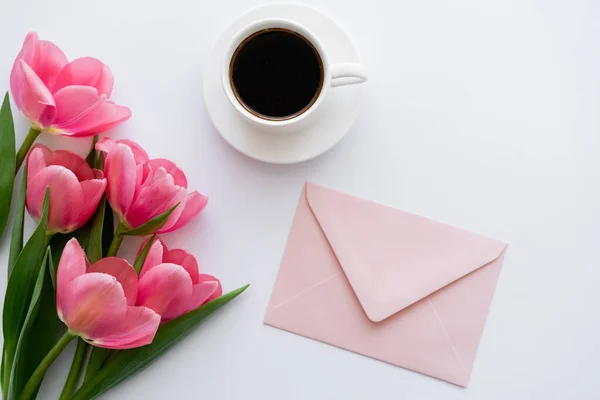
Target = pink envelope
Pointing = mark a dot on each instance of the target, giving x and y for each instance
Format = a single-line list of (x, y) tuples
[(385, 283)]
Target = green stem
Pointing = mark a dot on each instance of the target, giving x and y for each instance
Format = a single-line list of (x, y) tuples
[(97, 358), (75, 372), (117, 240), (27, 143), (40, 371)]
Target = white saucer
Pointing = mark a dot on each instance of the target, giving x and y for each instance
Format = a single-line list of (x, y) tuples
[(339, 109)]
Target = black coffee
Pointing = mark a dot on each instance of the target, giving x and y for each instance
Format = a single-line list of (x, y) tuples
[(276, 74)]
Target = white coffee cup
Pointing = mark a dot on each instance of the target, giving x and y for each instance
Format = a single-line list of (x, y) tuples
[(334, 75)]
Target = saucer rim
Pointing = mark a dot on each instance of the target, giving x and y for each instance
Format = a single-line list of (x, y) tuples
[(309, 152)]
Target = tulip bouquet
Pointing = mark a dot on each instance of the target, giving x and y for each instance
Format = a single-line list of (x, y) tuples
[(66, 281)]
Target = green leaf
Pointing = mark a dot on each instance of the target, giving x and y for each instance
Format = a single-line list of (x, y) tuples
[(99, 164), (126, 363), (39, 331), (8, 155), (151, 226), (93, 248), (93, 154), (2, 368), (139, 262), (58, 243), (60, 240), (108, 232), (16, 241), (52, 271), (20, 288)]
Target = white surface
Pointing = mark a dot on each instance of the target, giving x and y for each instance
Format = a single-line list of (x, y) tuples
[(307, 136), (483, 114)]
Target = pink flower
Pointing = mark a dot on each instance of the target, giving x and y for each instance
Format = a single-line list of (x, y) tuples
[(61, 97), (140, 189), (75, 188), (97, 302), (171, 285)]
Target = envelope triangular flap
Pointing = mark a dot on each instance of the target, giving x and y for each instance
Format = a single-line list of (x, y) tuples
[(392, 258)]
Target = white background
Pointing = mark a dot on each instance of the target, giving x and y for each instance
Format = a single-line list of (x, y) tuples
[(482, 114)]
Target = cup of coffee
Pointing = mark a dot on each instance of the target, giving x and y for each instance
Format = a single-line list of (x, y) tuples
[(276, 73)]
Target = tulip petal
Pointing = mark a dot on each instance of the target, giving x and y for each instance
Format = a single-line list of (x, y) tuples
[(154, 256), (37, 159), (137, 329), (144, 174), (29, 48), (192, 206), (73, 263), (172, 169), (73, 102), (123, 272), (50, 62), (202, 293), (93, 190), (139, 153), (185, 259), (45, 58), (91, 303), (73, 162), (154, 198), (86, 71), (121, 115), (37, 103), (120, 171), (80, 109), (17, 78), (106, 145), (66, 197), (210, 278), (141, 173), (98, 174), (165, 289)]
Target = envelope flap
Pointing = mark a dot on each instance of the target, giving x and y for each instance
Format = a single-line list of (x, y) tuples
[(392, 258)]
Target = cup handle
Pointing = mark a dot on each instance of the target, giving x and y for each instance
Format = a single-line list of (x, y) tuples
[(347, 74)]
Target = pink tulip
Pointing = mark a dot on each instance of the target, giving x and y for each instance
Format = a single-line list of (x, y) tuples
[(140, 189), (75, 188), (97, 302), (171, 285), (61, 97)]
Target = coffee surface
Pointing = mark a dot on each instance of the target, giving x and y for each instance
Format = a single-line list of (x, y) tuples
[(276, 73)]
